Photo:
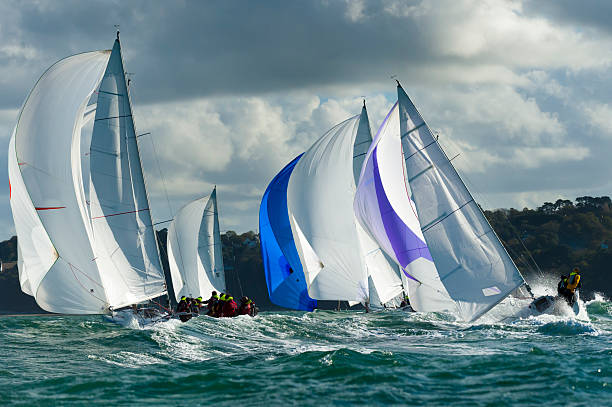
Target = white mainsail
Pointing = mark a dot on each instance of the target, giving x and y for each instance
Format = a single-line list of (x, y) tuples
[(124, 238), (194, 249), (319, 201), (74, 258), (383, 207), (472, 263)]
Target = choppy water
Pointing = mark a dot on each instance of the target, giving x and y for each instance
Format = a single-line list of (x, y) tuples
[(320, 358)]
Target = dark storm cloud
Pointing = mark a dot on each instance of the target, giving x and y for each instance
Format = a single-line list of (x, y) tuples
[(583, 14)]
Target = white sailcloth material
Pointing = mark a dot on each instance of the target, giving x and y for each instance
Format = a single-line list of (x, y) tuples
[(319, 201), (52, 225), (472, 263), (125, 245), (383, 207), (194, 249), (384, 282)]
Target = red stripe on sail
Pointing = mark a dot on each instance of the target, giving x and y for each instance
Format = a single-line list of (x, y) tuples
[(49, 208), (120, 213)]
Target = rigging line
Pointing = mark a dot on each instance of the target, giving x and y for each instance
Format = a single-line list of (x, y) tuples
[(72, 266), (163, 221), (533, 265), (120, 213), (90, 291), (161, 174)]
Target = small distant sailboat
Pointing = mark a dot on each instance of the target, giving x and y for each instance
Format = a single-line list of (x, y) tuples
[(452, 259), (86, 242), (194, 249)]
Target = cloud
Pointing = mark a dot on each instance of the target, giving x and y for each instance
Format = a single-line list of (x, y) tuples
[(232, 91)]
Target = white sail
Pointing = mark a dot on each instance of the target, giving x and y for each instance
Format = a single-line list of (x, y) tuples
[(384, 281), (473, 265), (123, 234), (194, 249), (53, 232), (319, 201), (384, 208)]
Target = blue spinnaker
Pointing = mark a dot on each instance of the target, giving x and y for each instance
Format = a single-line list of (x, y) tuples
[(283, 269)]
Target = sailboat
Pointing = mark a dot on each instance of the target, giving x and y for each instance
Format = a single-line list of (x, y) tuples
[(413, 202), (194, 249), (86, 242), (340, 261)]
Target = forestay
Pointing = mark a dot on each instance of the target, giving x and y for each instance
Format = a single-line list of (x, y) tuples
[(124, 238), (319, 200), (471, 261), (284, 274), (383, 207), (194, 249), (47, 200)]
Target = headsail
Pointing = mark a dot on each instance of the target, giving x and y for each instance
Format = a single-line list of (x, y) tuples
[(194, 249), (384, 281), (52, 226), (284, 274), (319, 200), (383, 207), (123, 234), (472, 263)]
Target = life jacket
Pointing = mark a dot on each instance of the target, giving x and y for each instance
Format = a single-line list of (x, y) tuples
[(245, 308), (230, 307), (573, 281)]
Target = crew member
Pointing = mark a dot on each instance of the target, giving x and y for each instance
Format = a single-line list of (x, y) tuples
[(245, 306), (229, 307), (573, 283)]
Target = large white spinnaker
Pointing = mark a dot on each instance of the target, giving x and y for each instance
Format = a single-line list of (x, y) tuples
[(384, 282), (319, 201), (123, 234), (383, 207), (194, 249), (54, 235), (472, 263)]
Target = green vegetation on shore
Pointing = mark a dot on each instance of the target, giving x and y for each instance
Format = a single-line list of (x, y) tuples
[(558, 236)]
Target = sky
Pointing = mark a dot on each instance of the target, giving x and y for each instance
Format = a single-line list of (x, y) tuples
[(231, 91)]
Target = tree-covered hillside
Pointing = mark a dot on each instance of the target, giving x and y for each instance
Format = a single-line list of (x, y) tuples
[(560, 236)]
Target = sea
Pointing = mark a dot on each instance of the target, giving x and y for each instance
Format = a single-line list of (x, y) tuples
[(320, 358)]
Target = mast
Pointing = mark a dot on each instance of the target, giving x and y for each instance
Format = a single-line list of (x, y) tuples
[(139, 171)]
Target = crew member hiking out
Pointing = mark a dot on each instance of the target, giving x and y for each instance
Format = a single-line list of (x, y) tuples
[(568, 285)]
